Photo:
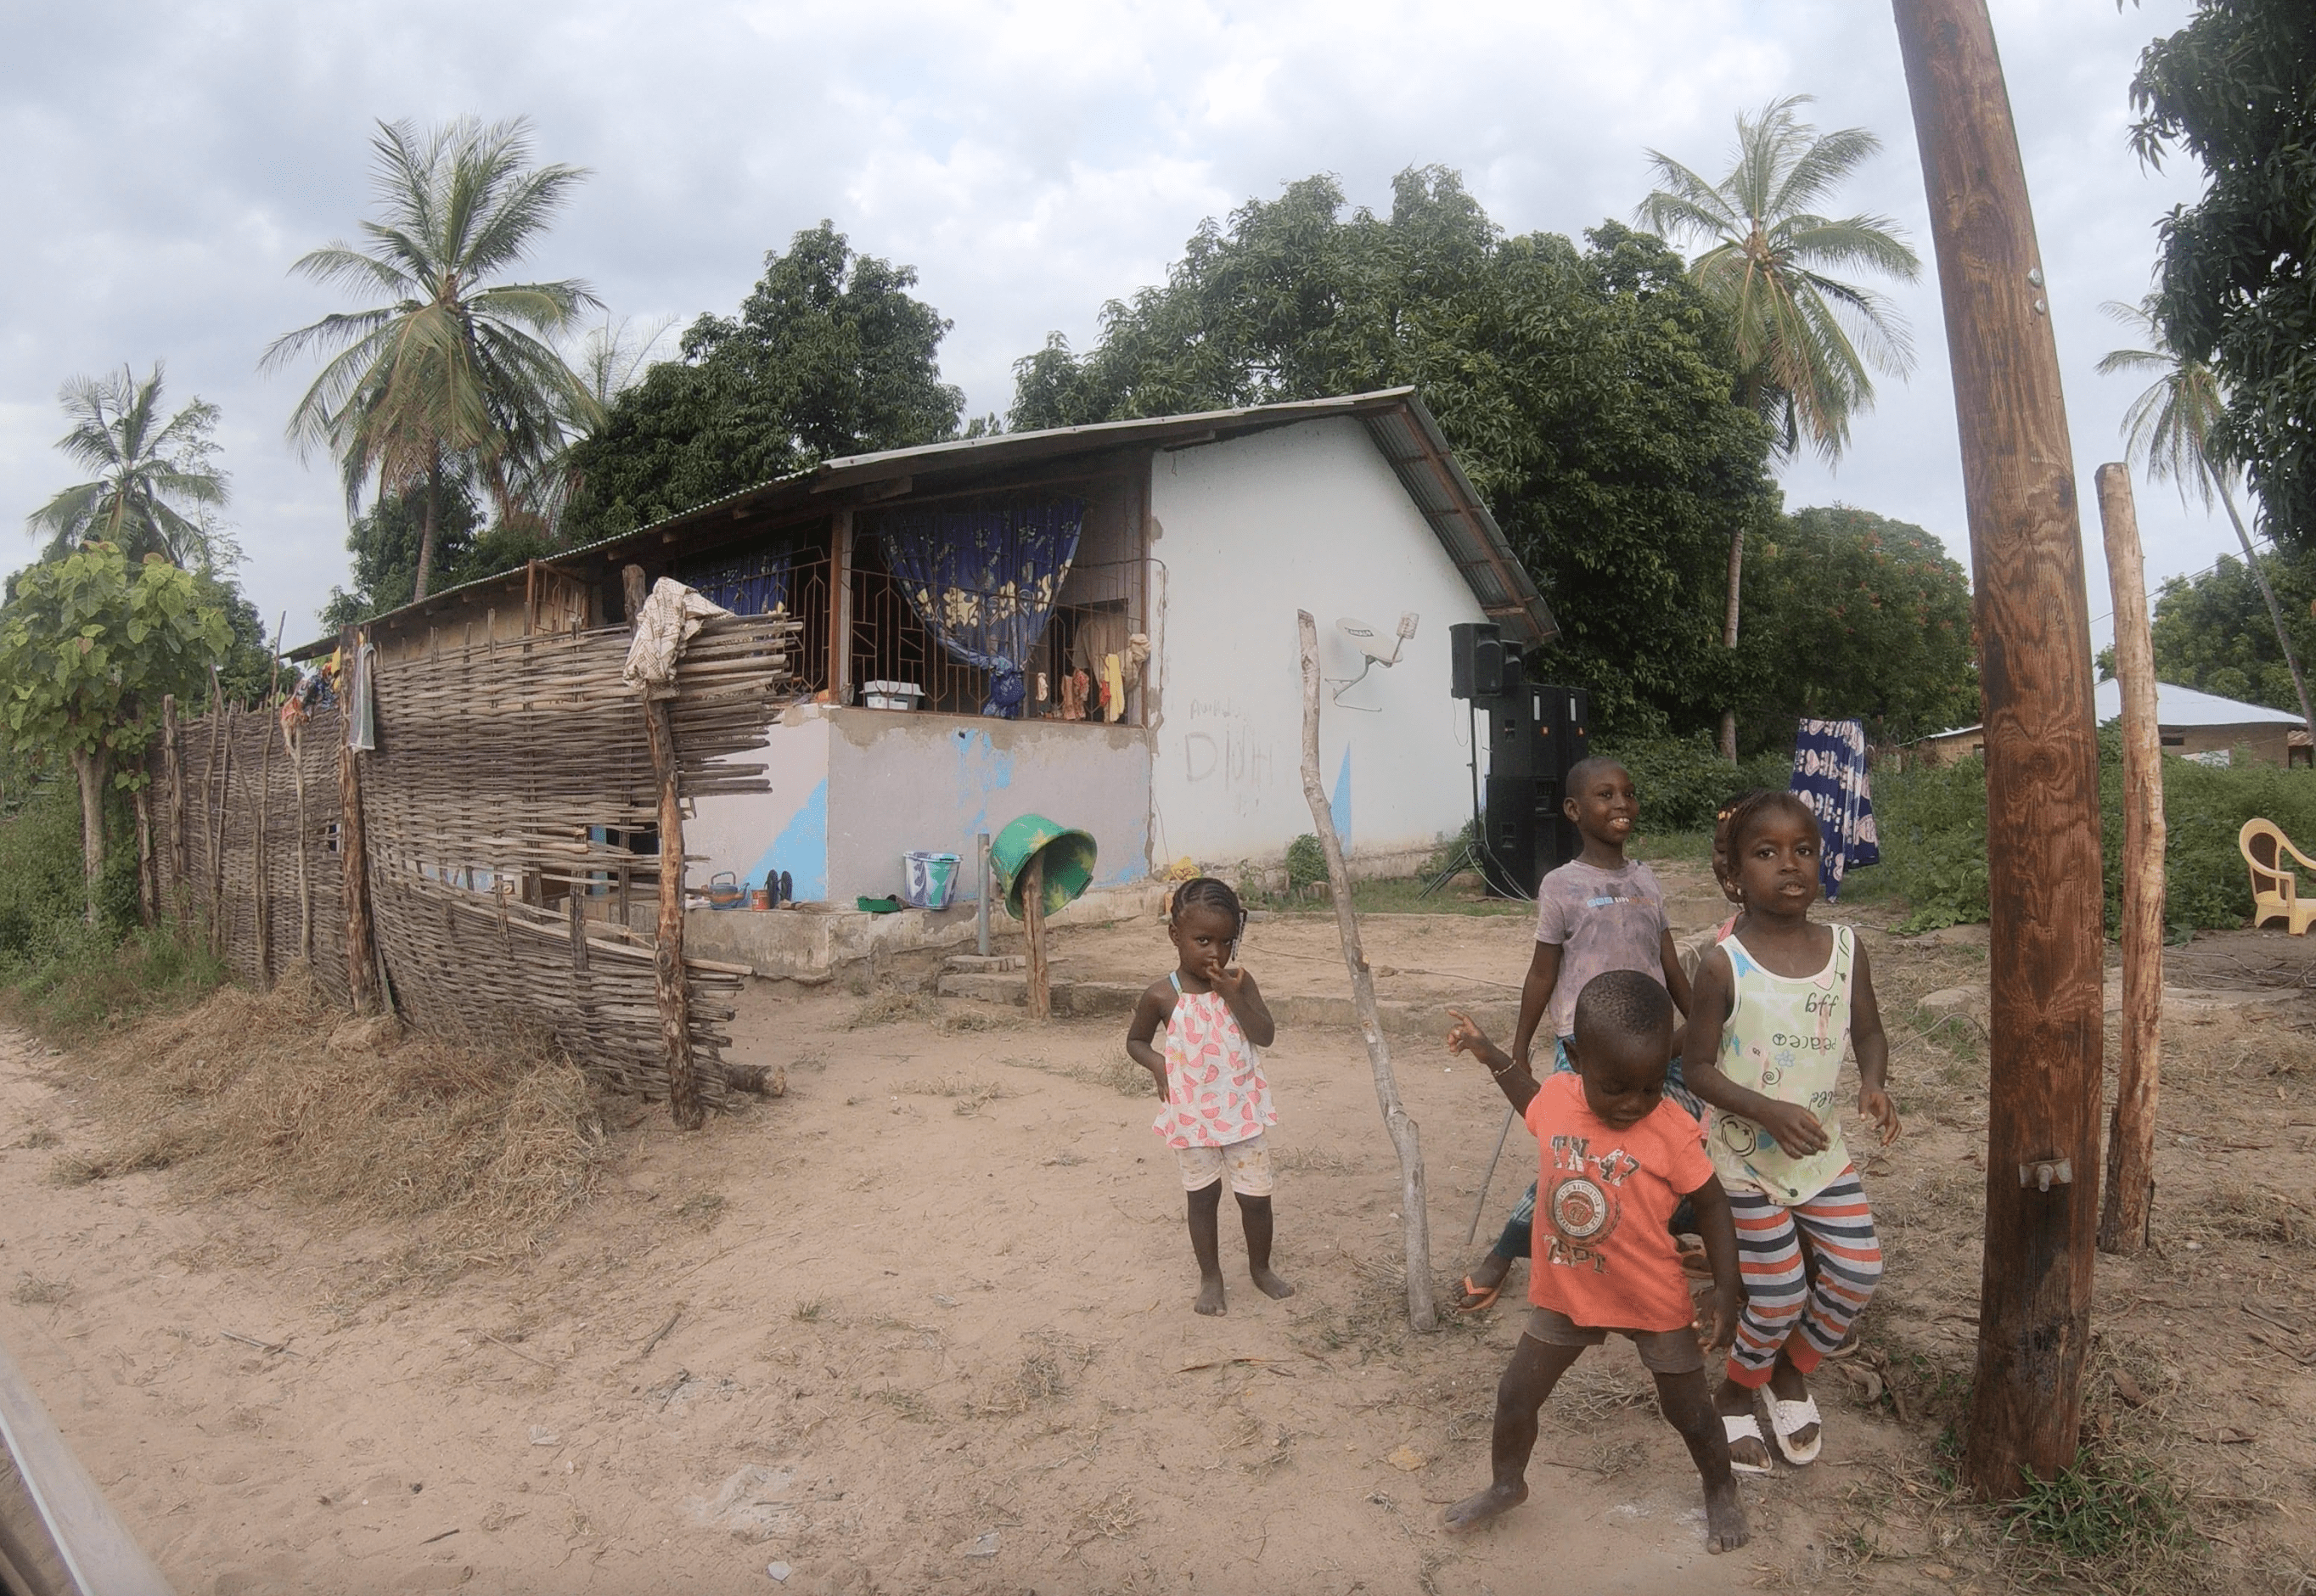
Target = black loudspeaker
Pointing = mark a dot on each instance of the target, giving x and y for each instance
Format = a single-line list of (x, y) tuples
[(1535, 734), (1475, 660)]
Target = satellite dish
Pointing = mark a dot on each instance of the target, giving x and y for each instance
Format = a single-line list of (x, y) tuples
[(1372, 643)]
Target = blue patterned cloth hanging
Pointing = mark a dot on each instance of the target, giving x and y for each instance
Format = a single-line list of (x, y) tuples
[(751, 584), (983, 579), (1829, 775)]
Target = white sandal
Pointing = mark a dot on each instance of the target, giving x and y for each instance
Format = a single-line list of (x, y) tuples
[(1737, 1427), (1785, 1418)]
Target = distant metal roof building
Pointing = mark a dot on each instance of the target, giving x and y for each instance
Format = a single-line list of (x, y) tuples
[(1396, 419), (2175, 706)]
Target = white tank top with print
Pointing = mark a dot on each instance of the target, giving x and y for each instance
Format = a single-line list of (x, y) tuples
[(1784, 1039)]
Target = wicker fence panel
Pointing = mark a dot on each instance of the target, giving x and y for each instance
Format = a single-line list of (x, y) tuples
[(502, 774)]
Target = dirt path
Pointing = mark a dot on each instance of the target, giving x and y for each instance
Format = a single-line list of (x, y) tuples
[(937, 1301)]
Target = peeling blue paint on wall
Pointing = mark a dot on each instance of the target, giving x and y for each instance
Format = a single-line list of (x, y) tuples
[(801, 850), (1339, 803), (982, 771)]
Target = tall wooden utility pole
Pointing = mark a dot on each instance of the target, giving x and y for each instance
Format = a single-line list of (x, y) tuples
[(2033, 619), (363, 988), (2130, 1139)]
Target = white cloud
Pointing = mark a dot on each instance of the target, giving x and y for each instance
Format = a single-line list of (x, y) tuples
[(1032, 160)]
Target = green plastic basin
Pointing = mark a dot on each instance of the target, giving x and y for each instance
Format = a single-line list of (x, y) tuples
[(1068, 853)]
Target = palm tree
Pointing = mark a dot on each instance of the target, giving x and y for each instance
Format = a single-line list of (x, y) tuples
[(1805, 339), (453, 366), (2168, 431), (153, 481)]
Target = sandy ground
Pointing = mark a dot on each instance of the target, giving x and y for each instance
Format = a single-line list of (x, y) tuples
[(924, 1325)]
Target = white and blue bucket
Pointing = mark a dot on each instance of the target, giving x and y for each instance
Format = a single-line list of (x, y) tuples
[(930, 877)]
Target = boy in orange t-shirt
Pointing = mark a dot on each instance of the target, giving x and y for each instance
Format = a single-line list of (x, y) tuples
[(1615, 1158)]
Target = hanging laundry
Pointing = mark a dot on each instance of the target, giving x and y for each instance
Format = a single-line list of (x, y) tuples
[(1830, 776)]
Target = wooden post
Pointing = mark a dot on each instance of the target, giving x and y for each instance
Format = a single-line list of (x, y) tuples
[(173, 757), (2131, 1136), (1415, 1200), (667, 952), (839, 608), (576, 913), (293, 739), (1033, 920), (362, 984), (148, 883), (259, 873), (2032, 621)]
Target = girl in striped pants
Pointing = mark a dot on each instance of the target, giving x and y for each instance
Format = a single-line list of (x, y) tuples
[(1780, 996)]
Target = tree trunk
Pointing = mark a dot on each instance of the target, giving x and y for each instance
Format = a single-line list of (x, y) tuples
[(149, 885), (1415, 1200), (2031, 616), (426, 530), (2130, 1137), (92, 768), (1729, 638), (2275, 610)]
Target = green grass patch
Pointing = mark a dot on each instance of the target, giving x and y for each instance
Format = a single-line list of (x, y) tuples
[(2108, 1522)]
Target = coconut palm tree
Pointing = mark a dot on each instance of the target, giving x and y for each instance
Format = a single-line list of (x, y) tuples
[(2167, 432), (1805, 338), (153, 481), (453, 366)]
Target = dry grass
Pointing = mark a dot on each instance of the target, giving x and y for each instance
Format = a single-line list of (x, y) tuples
[(241, 1095), (970, 1094), (1120, 1074), (33, 1291)]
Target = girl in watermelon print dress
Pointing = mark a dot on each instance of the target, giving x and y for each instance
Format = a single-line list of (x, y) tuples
[(1217, 1103)]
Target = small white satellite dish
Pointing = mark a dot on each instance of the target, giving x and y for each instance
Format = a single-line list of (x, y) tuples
[(1370, 642)]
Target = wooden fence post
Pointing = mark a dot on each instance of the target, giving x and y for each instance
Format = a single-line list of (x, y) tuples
[(363, 988), (172, 761), (2032, 621), (2131, 1136), (1415, 1200), (1033, 926), (674, 992), (260, 873)]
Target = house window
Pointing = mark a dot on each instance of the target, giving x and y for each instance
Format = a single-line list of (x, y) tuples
[(2173, 739), (768, 577)]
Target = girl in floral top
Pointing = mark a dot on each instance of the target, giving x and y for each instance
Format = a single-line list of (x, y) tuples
[(1217, 1103)]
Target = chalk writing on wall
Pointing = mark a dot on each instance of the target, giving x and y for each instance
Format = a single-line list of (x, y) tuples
[(1222, 745)]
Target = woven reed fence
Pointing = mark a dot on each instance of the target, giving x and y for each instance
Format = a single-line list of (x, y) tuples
[(498, 897)]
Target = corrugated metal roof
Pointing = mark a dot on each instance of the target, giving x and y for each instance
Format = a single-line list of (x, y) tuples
[(2175, 706), (1394, 418)]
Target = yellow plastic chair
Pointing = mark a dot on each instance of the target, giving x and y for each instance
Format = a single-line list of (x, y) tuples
[(2274, 890)]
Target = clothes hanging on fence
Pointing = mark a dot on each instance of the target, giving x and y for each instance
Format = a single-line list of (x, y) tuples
[(1829, 775), (361, 707), (982, 580), (670, 618)]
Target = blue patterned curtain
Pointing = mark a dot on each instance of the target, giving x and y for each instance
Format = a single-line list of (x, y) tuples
[(752, 584), (1830, 776), (983, 578)]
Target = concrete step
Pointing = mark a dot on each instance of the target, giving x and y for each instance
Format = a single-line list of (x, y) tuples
[(981, 964), (1088, 999)]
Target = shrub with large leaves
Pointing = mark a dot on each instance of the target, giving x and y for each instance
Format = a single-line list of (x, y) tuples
[(89, 646)]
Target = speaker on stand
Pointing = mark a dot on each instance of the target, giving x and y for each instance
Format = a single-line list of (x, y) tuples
[(1536, 734)]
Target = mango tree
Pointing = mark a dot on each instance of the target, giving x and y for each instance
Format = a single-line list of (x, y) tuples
[(89, 645)]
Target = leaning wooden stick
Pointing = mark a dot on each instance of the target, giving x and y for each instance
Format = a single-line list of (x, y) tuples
[(1414, 1201), (2131, 1145), (1033, 921), (1481, 1207)]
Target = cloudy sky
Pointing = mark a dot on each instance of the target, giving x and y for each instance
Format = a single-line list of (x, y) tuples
[(166, 163)]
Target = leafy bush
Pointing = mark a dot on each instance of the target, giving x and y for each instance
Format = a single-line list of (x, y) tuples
[(40, 872), (1682, 782), (1933, 829), (1306, 861)]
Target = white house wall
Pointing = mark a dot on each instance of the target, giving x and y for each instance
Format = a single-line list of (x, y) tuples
[(853, 789), (1245, 533)]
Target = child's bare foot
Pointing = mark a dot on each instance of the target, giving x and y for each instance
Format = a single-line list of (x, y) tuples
[(1498, 1499), (1210, 1296), (1725, 1528), (1734, 1400), (1269, 1284)]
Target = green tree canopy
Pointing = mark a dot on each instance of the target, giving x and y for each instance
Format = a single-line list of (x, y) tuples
[(452, 370), (385, 542), (2213, 631), (1585, 390), (89, 646), (2236, 89), (155, 484), (829, 355), (1852, 614)]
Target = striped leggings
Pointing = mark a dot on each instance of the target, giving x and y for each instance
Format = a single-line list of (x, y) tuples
[(1785, 1309)]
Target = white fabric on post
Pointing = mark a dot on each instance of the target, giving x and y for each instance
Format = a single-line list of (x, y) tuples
[(670, 618)]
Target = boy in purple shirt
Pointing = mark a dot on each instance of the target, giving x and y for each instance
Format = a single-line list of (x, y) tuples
[(1600, 912)]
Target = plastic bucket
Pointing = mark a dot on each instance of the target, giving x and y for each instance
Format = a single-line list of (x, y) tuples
[(930, 877), (1068, 853)]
